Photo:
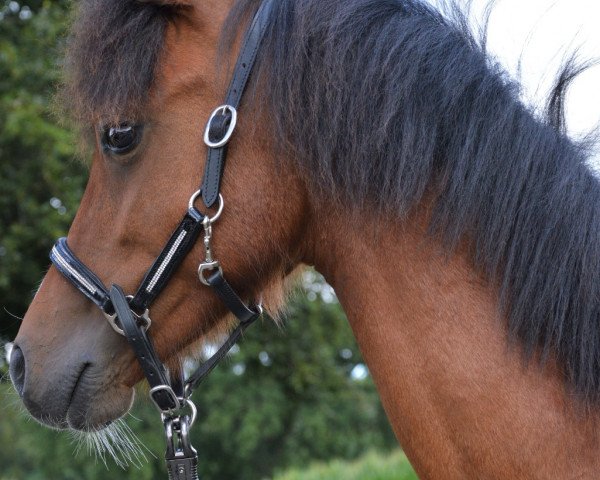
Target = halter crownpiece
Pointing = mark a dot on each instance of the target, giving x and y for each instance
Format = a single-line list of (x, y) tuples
[(129, 315)]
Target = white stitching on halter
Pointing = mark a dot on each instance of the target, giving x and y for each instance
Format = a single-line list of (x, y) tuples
[(165, 262), (73, 272)]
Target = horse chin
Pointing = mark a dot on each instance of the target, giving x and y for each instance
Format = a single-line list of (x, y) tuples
[(89, 405), (102, 431), (94, 411)]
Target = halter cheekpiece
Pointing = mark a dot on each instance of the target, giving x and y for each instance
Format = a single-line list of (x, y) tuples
[(129, 315)]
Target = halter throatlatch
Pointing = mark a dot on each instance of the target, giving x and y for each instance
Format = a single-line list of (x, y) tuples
[(129, 315)]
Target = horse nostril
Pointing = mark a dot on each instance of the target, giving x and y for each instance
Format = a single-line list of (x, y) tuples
[(17, 369)]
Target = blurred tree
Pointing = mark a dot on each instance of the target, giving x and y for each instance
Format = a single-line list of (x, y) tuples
[(40, 184)]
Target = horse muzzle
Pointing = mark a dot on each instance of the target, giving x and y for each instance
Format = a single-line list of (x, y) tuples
[(67, 390)]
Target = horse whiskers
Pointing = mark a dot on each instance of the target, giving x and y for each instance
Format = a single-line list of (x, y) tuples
[(117, 441), (12, 401), (5, 377), (13, 315)]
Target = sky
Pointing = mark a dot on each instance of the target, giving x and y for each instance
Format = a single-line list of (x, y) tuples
[(543, 33)]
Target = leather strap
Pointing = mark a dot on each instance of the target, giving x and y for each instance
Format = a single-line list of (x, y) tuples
[(78, 274), (202, 372), (181, 242), (172, 255), (231, 299), (245, 315), (115, 300), (215, 161), (140, 342)]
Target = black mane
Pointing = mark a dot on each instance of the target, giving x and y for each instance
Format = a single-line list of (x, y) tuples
[(387, 102)]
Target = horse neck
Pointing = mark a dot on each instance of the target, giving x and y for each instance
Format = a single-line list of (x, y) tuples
[(461, 401)]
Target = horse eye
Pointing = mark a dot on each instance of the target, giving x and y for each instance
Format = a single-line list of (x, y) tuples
[(121, 139)]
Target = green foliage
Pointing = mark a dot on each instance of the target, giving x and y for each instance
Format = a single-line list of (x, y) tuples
[(40, 185), (370, 467)]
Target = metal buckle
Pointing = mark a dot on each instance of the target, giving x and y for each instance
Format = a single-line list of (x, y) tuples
[(207, 267), (175, 400), (193, 209), (223, 109), (112, 319)]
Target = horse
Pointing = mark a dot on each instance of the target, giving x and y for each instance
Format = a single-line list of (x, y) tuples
[(378, 142)]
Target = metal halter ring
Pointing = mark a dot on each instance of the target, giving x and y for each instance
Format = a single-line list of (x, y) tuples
[(112, 319), (186, 402), (183, 403), (217, 215), (222, 110)]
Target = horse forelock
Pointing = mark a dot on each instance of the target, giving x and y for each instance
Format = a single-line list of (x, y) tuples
[(111, 60)]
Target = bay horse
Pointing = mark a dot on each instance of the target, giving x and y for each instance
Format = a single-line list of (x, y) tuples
[(379, 143)]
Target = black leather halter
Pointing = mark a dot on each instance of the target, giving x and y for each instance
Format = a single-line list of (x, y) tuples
[(129, 315)]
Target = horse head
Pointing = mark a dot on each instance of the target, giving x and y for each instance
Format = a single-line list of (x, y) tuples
[(69, 366)]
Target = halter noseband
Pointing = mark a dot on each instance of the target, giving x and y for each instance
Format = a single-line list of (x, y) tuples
[(129, 315)]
